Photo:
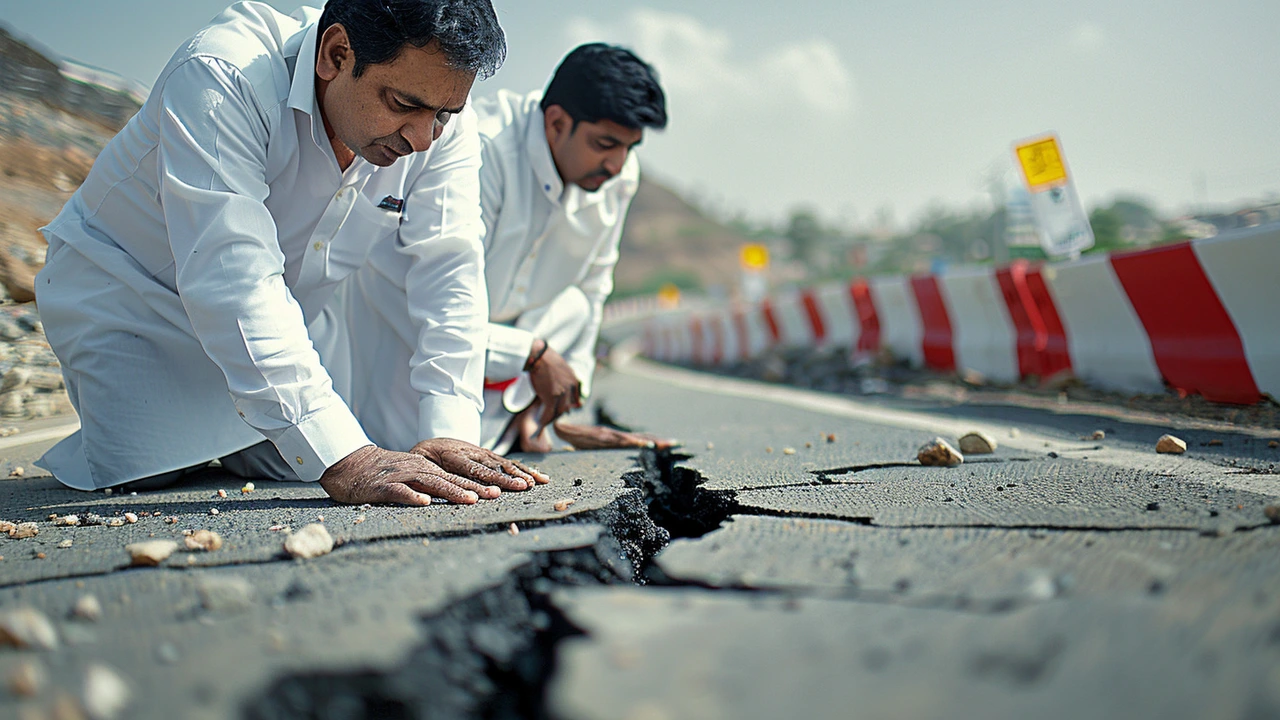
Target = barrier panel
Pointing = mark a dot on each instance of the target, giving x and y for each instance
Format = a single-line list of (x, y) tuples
[(1198, 316)]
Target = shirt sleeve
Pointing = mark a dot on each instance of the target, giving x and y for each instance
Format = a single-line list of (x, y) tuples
[(597, 285), (445, 288), (230, 268)]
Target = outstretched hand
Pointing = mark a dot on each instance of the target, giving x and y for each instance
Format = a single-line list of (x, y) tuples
[(469, 461), (374, 475), (556, 386)]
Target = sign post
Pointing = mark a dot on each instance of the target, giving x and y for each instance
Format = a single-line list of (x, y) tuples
[(755, 263), (1064, 226)]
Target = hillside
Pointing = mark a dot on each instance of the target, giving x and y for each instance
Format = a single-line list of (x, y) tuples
[(668, 240)]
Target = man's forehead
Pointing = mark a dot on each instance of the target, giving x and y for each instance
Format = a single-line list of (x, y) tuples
[(424, 75), (620, 133)]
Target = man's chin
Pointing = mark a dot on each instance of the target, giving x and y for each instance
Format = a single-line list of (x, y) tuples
[(592, 184), (379, 155)]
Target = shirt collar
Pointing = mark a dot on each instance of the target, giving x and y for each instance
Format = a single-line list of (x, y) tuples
[(544, 166), (302, 91)]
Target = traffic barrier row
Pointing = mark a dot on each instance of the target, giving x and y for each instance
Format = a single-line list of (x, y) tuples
[(1199, 316)]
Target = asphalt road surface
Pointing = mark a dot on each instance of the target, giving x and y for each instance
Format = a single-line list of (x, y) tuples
[(792, 559)]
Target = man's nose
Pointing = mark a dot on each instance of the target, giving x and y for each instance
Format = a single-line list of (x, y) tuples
[(420, 135), (614, 161)]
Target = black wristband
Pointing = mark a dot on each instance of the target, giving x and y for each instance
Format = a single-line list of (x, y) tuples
[(534, 360)]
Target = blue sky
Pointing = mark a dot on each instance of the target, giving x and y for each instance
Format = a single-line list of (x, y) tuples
[(859, 108)]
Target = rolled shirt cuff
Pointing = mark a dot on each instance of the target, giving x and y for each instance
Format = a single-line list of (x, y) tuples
[(508, 351), (320, 441), (448, 416)]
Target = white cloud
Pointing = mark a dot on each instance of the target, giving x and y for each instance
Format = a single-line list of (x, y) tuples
[(1087, 37), (703, 75)]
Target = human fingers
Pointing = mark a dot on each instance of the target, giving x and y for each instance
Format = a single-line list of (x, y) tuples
[(549, 412), (477, 470), (394, 493), (520, 470), (437, 483)]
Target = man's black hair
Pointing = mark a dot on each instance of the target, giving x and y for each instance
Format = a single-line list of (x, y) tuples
[(467, 31), (604, 82)]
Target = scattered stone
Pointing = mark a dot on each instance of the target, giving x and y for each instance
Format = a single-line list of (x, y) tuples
[(9, 432), (21, 531), (7, 527), (808, 446), (205, 540), (87, 608), (17, 472), (1099, 435), (939, 453), (213, 511), (225, 594), (831, 437), (67, 521), (1274, 444), (130, 518), (513, 530), (768, 449), (276, 528), (28, 629), (1273, 513), (171, 520), (151, 553), (115, 522), (359, 519), (1015, 433), (1153, 506), (711, 446), (106, 694), (1170, 445), (248, 488), (65, 543), (27, 679), (319, 518), (562, 505), (108, 492), (788, 451), (1041, 586), (92, 520), (1215, 443), (311, 541), (977, 443), (222, 493)]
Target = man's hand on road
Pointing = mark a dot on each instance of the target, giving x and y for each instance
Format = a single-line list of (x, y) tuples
[(597, 437), (374, 475), (556, 385), (486, 466)]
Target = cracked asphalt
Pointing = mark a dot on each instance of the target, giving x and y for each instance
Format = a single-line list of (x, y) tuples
[(762, 571)]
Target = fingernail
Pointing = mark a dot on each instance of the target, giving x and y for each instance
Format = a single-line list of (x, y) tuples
[(471, 496)]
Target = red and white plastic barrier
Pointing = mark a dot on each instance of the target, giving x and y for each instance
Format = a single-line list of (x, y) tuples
[(1198, 316)]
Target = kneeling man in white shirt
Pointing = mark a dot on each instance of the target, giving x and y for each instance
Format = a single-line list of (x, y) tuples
[(273, 153), (557, 178)]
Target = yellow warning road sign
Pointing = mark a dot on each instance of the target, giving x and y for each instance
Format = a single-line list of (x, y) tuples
[(1042, 164), (755, 257)]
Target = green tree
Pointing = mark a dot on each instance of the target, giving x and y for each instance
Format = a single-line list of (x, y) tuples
[(805, 235)]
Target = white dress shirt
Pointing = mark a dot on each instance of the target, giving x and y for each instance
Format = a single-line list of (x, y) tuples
[(182, 274), (540, 238)]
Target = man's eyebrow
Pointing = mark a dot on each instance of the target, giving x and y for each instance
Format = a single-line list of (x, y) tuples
[(616, 141), (414, 101)]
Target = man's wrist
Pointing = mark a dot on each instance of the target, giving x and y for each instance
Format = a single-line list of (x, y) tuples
[(536, 353)]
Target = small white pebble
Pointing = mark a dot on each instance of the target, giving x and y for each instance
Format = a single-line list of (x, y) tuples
[(768, 449), (106, 695), (65, 543), (311, 541), (151, 553), (67, 521), (512, 529), (248, 488), (319, 518), (358, 520), (222, 493), (130, 518), (275, 528), (88, 608), (788, 451), (17, 472), (115, 522), (562, 505), (213, 511), (170, 520), (108, 492)]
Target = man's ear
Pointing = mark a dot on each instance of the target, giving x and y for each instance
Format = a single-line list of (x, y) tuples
[(334, 53), (559, 124)]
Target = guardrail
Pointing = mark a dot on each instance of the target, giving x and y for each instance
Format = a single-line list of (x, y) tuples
[(1200, 316)]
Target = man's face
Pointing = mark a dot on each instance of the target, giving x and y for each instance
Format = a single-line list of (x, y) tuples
[(393, 108), (590, 154)]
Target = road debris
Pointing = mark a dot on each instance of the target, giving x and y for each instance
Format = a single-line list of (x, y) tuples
[(115, 522), (225, 594), (151, 553), (130, 518), (248, 488), (25, 530), (831, 437), (222, 493), (17, 472), (1214, 443), (1274, 444), (87, 608), (1099, 435), (171, 520), (1153, 507), (27, 629), (309, 542), (27, 679), (768, 449), (977, 443), (1273, 513), (711, 446), (359, 519), (66, 543), (562, 505), (513, 530), (1170, 445), (106, 694), (939, 453), (788, 451), (204, 540), (67, 521)]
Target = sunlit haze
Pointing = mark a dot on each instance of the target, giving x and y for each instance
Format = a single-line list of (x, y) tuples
[(875, 109)]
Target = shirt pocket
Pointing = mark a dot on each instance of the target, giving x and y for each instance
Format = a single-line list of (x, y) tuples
[(366, 227)]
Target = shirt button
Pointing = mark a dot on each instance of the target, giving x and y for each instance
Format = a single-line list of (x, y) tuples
[(318, 246), (343, 192), (547, 188)]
